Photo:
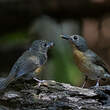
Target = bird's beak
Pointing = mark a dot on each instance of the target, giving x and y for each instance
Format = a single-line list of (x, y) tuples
[(65, 37), (50, 45)]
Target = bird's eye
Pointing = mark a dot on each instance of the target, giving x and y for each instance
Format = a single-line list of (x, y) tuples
[(75, 37)]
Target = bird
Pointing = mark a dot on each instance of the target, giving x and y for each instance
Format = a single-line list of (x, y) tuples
[(88, 62), (29, 63)]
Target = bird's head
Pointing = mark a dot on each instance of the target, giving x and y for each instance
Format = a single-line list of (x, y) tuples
[(41, 46), (77, 41)]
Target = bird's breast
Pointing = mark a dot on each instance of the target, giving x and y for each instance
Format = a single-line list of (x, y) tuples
[(36, 60), (86, 66), (79, 57), (81, 61)]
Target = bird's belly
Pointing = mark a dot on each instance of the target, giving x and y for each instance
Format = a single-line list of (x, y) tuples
[(86, 66)]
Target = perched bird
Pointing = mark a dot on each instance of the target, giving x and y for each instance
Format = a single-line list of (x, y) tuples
[(31, 61), (87, 61)]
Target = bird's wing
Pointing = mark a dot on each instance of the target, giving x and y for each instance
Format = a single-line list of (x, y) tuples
[(27, 67), (27, 63), (96, 59), (99, 61)]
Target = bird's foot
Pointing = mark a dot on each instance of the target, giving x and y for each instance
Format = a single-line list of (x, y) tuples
[(97, 85), (41, 82), (86, 78), (84, 84)]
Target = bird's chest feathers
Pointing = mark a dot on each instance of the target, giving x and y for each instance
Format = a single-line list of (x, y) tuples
[(36, 61), (79, 56), (80, 59)]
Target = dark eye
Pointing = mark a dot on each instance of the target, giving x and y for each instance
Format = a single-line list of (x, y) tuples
[(75, 37)]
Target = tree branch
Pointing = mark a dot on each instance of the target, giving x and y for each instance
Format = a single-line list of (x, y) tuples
[(54, 96)]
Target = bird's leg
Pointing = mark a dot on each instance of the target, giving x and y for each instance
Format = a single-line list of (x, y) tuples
[(97, 83), (85, 81), (40, 82)]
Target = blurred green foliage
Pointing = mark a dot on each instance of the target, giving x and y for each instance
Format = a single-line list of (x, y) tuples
[(14, 38), (65, 70), (61, 65)]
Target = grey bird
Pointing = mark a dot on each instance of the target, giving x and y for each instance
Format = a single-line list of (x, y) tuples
[(87, 61), (30, 62)]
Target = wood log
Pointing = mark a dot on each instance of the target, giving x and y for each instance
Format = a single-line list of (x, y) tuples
[(54, 96)]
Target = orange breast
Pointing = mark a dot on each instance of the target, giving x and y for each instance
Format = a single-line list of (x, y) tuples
[(38, 70), (86, 66), (80, 60)]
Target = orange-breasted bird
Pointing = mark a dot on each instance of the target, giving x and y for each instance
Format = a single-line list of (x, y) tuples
[(87, 61), (31, 61)]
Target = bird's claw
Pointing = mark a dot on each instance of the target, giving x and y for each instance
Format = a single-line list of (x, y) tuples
[(41, 82), (84, 84)]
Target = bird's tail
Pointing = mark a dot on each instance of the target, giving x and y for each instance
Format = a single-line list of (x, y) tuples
[(4, 83)]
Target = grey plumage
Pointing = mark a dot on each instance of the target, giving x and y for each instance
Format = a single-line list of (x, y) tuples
[(98, 68), (88, 61), (30, 60)]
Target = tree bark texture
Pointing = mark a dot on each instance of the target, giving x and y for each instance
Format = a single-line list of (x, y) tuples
[(54, 96)]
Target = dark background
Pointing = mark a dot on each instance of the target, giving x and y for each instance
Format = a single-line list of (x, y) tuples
[(22, 21)]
